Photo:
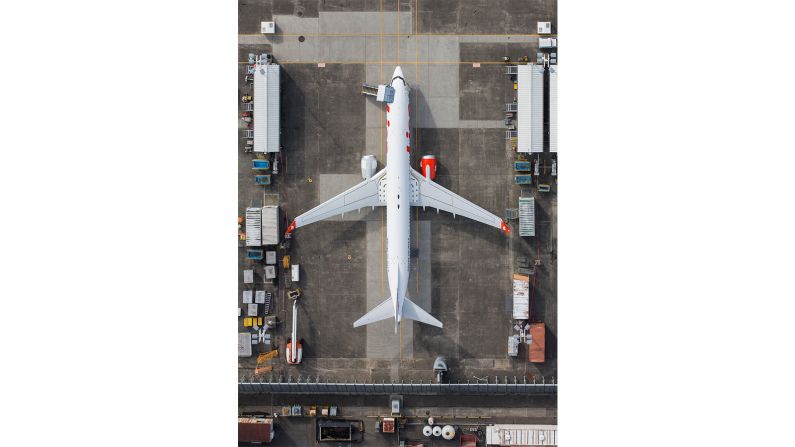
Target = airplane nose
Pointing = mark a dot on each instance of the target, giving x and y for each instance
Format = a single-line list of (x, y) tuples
[(398, 72)]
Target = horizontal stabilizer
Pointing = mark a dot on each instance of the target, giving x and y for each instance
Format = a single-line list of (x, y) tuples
[(416, 313), (381, 312)]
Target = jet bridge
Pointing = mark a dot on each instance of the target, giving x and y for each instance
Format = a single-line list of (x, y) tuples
[(382, 93)]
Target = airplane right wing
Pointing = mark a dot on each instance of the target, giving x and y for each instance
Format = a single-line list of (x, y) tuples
[(437, 196), (362, 195)]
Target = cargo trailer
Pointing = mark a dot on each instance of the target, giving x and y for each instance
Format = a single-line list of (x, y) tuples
[(536, 348), (521, 297)]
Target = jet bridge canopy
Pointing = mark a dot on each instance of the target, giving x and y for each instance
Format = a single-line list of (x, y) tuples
[(266, 108)]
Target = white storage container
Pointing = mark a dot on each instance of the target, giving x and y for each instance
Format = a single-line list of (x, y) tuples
[(270, 226), (521, 297), (295, 273), (244, 344)]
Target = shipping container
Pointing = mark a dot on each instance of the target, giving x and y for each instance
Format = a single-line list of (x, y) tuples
[(266, 108), (527, 216), (521, 297), (537, 347), (253, 227), (270, 225), (521, 435), (530, 108), (255, 430)]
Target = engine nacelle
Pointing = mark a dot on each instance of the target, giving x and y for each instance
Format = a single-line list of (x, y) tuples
[(428, 166), (369, 164)]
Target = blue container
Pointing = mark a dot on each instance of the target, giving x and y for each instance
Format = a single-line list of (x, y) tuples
[(523, 179), (255, 254), (262, 179), (522, 166), (260, 164)]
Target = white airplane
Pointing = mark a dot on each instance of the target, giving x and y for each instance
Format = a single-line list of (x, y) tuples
[(398, 187)]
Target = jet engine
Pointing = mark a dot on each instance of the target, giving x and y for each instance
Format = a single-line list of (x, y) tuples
[(428, 166)]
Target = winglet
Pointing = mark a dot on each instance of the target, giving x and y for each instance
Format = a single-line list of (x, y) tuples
[(505, 227), (290, 228)]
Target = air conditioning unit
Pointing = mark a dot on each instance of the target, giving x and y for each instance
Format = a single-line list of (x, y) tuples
[(268, 27), (544, 27), (547, 42)]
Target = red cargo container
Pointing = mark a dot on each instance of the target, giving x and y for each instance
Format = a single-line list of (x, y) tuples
[(388, 425), (535, 351), (259, 430)]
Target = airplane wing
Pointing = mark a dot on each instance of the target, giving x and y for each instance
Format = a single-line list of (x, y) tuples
[(431, 194), (362, 195)]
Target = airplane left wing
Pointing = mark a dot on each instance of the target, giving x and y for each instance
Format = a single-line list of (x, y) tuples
[(362, 195), (433, 195)]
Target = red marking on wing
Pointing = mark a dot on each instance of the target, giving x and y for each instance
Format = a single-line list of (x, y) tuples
[(387, 123), (408, 149), (387, 108), (407, 135)]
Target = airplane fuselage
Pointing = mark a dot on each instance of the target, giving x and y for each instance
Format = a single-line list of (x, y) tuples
[(398, 193)]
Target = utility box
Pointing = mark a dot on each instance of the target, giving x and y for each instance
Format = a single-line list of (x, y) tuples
[(544, 27), (547, 42), (535, 352), (268, 27)]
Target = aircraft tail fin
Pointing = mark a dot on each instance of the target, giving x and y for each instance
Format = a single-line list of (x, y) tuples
[(415, 312), (381, 312)]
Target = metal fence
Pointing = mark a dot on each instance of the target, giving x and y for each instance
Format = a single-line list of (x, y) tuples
[(316, 385)]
